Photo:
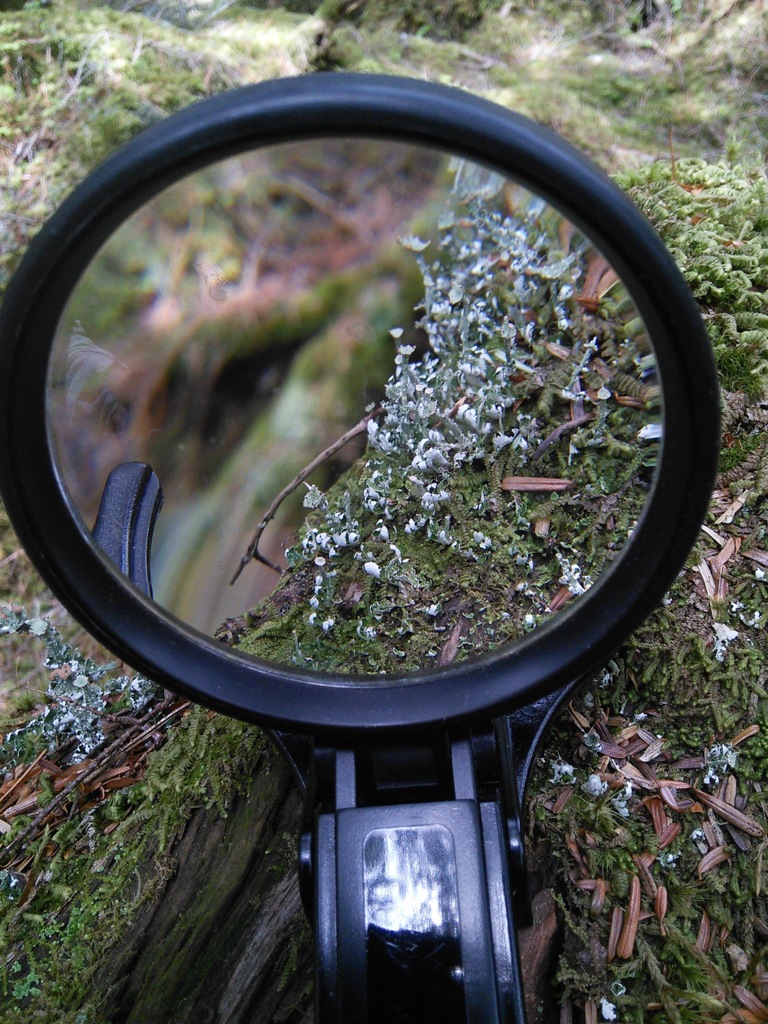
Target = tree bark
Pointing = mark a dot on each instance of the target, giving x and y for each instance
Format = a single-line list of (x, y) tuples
[(225, 939)]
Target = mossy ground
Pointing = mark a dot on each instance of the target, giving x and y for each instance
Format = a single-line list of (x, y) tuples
[(94, 873), (694, 674), (77, 79)]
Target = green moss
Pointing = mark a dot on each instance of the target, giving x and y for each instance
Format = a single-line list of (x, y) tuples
[(450, 19), (419, 554), (693, 685), (713, 218), (96, 879), (71, 91), (683, 678), (77, 83)]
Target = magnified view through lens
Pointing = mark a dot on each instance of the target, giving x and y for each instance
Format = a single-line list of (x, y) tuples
[(401, 410)]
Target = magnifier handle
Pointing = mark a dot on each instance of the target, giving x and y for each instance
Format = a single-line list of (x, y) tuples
[(129, 508), (414, 901)]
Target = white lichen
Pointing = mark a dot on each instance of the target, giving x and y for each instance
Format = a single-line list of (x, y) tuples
[(607, 1009), (720, 759), (594, 786)]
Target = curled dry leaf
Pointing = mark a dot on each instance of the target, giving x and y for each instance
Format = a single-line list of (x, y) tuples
[(669, 834), (612, 750), (629, 732), (573, 846), (636, 777), (761, 557), (562, 799), (729, 790), (750, 1001), (713, 838), (560, 600), (599, 278), (670, 797), (738, 957), (705, 935), (747, 1017), (716, 537), (760, 980), (581, 722), (728, 550), (557, 350), (631, 402), (660, 906), (541, 527), (598, 887), (709, 581), (739, 840), (13, 784), (732, 511), (688, 764), (653, 750), (598, 896), (647, 736), (643, 863), (745, 734), (656, 810)]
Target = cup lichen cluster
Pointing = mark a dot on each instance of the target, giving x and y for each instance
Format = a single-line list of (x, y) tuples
[(509, 460)]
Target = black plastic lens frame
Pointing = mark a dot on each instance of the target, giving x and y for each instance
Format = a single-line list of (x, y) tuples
[(279, 696)]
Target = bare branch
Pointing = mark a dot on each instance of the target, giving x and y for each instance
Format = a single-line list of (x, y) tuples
[(269, 515)]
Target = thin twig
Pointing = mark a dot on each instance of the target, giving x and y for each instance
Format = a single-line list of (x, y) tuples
[(558, 432), (269, 515), (103, 716), (154, 726), (11, 558)]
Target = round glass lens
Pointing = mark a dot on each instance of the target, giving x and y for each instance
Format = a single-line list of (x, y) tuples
[(401, 410)]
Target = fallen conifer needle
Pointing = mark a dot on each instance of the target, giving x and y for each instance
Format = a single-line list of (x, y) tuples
[(730, 814), (545, 484), (631, 921)]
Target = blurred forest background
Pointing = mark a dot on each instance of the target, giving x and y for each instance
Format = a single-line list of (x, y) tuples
[(671, 97)]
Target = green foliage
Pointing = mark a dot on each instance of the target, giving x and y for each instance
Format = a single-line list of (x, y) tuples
[(184, 14), (449, 19), (95, 878), (71, 90), (442, 19)]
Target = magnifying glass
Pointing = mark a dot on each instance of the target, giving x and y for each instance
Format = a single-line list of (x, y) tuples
[(432, 419)]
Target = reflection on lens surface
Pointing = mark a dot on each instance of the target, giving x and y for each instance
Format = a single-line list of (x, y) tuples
[(413, 926), (487, 372)]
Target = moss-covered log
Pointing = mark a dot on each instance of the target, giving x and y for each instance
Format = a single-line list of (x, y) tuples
[(131, 900)]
